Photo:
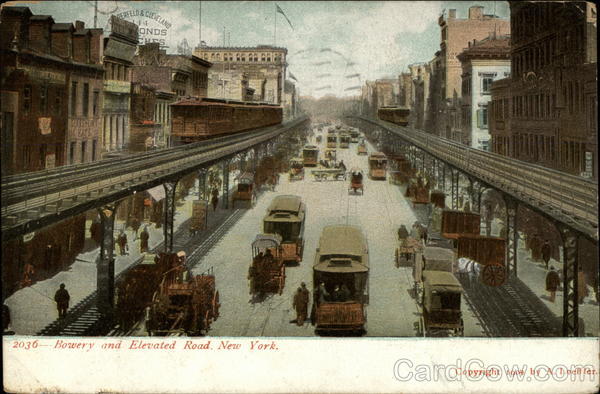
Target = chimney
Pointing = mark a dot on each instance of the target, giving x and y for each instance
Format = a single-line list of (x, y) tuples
[(79, 25), (476, 12), (452, 13)]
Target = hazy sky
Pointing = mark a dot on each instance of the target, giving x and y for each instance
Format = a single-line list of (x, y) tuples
[(331, 42)]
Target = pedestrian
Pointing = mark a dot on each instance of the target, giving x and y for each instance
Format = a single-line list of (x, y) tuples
[(215, 198), (546, 252), (122, 240), (300, 306), (552, 282), (135, 225), (582, 290), (144, 237), (62, 298), (402, 233)]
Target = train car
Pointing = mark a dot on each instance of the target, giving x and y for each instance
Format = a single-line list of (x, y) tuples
[(310, 155), (340, 277), (195, 119), (396, 115)]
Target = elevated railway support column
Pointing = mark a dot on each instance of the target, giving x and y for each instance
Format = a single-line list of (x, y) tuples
[(570, 283), (105, 265), (512, 235), (226, 164), (202, 183), (455, 175), (169, 211)]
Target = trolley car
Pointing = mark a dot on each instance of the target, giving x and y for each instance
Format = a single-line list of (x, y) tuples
[(340, 278), (344, 140), (331, 140), (245, 189), (397, 115), (285, 216), (195, 119), (377, 165), (310, 155)]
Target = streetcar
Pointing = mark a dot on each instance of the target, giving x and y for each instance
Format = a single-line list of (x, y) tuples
[(340, 278), (310, 155), (245, 189), (331, 140), (285, 216), (344, 140), (377, 165)]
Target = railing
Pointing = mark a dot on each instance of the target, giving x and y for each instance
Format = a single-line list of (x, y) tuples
[(22, 194), (558, 192)]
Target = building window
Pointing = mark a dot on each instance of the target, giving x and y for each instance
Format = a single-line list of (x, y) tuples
[(83, 146), (86, 99), (95, 102), (27, 98), (44, 99), (94, 143), (43, 156), (73, 98), (486, 84), (26, 156), (72, 153), (482, 117)]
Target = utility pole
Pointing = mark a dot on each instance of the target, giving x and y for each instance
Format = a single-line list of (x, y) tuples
[(200, 24), (95, 13)]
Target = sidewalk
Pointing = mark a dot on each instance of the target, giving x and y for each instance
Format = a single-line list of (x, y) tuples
[(33, 308)]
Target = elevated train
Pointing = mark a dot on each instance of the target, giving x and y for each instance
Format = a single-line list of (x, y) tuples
[(397, 115), (195, 119)]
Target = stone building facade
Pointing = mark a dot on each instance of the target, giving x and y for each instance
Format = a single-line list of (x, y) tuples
[(119, 49), (546, 112), (482, 63), (263, 66), (456, 33)]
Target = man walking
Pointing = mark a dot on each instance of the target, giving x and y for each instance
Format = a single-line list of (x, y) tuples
[(546, 252), (144, 237), (552, 282), (62, 298)]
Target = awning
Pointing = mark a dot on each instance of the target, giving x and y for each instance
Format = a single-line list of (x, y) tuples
[(157, 192)]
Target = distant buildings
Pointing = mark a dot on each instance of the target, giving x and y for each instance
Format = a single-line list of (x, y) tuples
[(237, 69), (546, 112), (482, 63)]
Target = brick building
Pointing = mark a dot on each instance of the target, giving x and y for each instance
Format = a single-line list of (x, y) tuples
[(85, 85), (482, 63), (119, 49), (264, 66), (171, 77), (34, 96), (456, 33), (40, 59), (546, 111)]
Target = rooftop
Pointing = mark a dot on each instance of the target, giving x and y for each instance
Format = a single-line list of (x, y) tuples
[(492, 46)]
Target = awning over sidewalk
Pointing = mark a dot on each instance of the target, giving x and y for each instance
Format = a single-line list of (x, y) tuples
[(157, 192)]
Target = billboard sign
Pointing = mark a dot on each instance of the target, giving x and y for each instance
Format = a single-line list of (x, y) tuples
[(152, 26)]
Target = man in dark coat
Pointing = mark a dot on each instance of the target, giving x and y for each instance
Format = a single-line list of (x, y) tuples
[(546, 252), (144, 237), (552, 283), (123, 243), (215, 198), (301, 307), (62, 298)]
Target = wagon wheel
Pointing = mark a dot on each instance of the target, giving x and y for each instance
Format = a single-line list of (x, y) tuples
[(493, 274), (215, 305)]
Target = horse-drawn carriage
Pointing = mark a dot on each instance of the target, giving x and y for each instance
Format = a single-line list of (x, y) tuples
[(439, 293), (183, 304), (285, 217), (245, 189), (407, 250), (356, 181), (296, 169), (267, 271), (340, 278), (486, 255)]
